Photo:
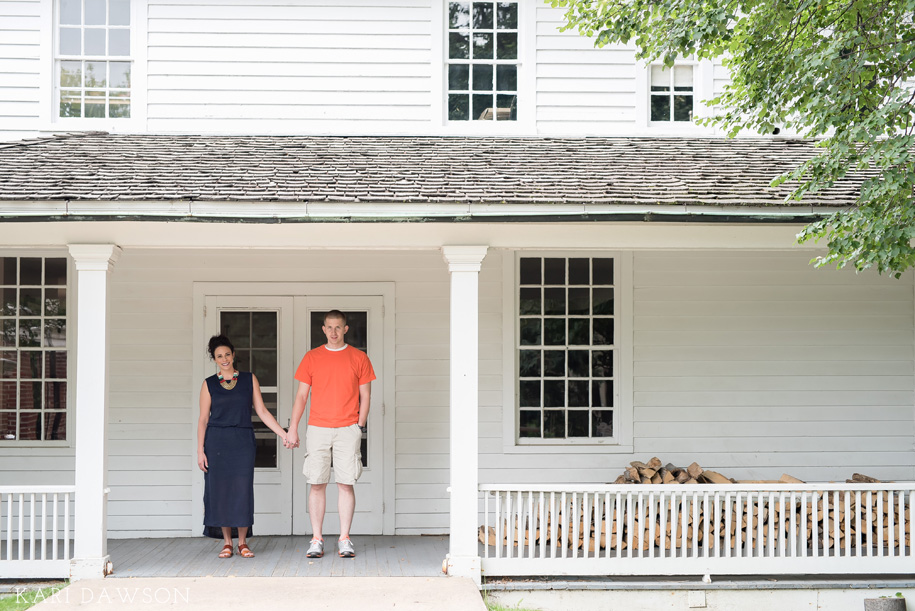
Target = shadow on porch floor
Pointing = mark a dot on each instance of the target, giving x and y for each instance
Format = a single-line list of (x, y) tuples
[(279, 556)]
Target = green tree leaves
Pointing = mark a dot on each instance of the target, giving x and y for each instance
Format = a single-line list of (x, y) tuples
[(840, 71)]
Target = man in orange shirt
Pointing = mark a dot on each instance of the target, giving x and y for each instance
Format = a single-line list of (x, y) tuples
[(339, 378)]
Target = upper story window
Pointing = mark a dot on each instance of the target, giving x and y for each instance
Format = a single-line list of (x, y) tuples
[(93, 60), (482, 61), (567, 349), (672, 93), (33, 349)]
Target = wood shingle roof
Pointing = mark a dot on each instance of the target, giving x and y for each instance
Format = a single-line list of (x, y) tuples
[(409, 170)]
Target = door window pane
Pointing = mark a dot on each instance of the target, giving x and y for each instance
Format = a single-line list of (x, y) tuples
[(254, 333), (265, 456)]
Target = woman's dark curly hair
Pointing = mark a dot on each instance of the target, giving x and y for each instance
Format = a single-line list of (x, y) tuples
[(216, 341)]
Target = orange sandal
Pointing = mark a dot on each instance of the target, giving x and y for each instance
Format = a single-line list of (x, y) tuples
[(226, 551), (244, 551)]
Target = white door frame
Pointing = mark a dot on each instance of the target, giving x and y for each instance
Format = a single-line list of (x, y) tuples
[(385, 290)]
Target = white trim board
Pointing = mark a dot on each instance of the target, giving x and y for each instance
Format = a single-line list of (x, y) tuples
[(414, 236)]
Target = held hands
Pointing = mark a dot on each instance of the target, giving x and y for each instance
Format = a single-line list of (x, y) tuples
[(291, 440)]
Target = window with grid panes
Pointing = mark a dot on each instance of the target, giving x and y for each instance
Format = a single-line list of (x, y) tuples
[(33, 349), (482, 61), (672, 93), (255, 335), (93, 58), (566, 350)]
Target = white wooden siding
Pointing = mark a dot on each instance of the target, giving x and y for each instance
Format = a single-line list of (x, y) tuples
[(321, 67), (580, 88), (353, 67), (585, 90), (758, 364), (20, 25), (753, 364)]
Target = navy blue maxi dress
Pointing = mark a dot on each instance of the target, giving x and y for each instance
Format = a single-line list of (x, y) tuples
[(228, 494)]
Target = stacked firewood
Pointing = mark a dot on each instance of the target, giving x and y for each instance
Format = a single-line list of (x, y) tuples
[(769, 521), (653, 473)]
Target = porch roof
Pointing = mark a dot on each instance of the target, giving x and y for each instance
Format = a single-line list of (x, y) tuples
[(512, 174)]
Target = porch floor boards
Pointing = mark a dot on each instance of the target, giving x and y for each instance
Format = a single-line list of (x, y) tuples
[(279, 556)]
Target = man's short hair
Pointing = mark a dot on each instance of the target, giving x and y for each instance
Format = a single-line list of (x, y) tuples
[(335, 314)]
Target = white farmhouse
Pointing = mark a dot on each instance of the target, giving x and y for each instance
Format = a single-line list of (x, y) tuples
[(554, 271)]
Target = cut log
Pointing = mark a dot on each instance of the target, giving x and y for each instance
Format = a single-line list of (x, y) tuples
[(790, 479), (712, 477), (487, 537), (655, 463), (694, 470), (647, 472)]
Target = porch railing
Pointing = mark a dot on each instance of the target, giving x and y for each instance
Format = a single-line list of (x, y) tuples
[(704, 529), (35, 531)]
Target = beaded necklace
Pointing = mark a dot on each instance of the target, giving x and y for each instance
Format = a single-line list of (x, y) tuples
[(227, 385)]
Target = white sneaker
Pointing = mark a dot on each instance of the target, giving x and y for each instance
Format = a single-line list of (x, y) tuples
[(316, 549), (346, 548)]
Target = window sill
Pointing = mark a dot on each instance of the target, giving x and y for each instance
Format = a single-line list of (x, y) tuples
[(486, 128), (568, 448), (83, 124), (14, 448)]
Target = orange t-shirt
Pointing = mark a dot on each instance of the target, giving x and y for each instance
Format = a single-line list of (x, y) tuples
[(335, 377)]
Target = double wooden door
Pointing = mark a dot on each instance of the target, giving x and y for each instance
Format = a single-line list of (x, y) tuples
[(271, 334)]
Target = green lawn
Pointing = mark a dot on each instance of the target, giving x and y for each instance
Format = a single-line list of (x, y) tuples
[(17, 601), (493, 605)]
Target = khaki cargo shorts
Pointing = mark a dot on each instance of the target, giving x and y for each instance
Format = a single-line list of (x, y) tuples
[(343, 443)]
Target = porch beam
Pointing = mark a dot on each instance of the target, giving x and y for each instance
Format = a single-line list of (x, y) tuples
[(464, 264), (93, 263)]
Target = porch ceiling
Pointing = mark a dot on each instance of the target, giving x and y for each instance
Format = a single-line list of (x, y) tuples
[(148, 175)]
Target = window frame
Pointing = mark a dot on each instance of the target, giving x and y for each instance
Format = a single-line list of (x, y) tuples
[(671, 94), (50, 76), (622, 441), (703, 90), (525, 91), (70, 347)]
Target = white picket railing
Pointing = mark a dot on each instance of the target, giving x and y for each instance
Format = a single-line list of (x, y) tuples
[(703, 529), (36, 535)]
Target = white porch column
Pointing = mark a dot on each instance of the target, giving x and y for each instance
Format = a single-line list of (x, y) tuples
[(90, 521), (464, 266)]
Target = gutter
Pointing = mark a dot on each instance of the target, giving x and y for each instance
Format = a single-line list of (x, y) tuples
[(297, 212)]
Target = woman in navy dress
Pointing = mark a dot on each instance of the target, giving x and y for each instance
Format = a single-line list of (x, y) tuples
[(226, 447)]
